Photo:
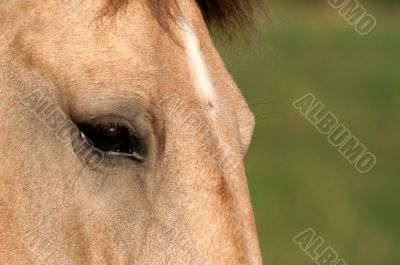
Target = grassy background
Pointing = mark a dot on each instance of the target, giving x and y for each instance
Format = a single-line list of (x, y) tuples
[(297, 179)]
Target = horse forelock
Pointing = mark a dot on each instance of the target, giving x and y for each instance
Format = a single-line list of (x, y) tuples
[(229, 16)]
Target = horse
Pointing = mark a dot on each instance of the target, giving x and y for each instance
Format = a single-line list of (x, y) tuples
[(123, 134)]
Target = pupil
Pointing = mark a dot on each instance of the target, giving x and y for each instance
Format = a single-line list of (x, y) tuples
[(113, 131), (113, 138)]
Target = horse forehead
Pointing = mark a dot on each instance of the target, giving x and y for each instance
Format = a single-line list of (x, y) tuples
[(132, 40), (135, 51)]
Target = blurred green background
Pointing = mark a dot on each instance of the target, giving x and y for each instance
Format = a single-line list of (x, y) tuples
[(297, 179)]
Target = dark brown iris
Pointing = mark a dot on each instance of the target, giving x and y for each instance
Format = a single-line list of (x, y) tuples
[(112, 137)]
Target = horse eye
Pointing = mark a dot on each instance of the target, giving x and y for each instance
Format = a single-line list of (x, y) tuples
[(113, 138)]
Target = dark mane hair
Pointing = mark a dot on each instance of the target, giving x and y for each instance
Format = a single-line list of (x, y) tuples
[(229, 16)]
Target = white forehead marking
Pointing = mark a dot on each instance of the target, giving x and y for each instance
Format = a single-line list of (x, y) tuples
[(198, 67)]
